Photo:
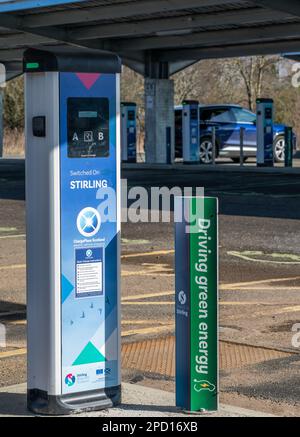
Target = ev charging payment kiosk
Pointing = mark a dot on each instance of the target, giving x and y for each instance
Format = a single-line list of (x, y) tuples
[(190, 131), (264, 129), (128, 131), (73, 226)]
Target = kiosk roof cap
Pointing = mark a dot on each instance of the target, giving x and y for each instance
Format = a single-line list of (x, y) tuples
[(64, 60), (263, 100), (128, 104), (190, 102)]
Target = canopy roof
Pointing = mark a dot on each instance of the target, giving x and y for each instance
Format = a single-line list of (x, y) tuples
[(143, 32)]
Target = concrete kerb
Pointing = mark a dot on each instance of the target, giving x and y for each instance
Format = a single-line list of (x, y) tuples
[(226, 168), (7, 164)]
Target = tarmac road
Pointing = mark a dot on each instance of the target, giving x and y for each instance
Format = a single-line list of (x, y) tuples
[(259, 275)]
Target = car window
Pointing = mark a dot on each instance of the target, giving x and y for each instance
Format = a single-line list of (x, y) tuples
[(243, 116), (217, 115)]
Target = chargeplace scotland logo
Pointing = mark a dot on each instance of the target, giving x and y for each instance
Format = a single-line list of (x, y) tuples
[(70, 380), (182, 297), (88, 222)]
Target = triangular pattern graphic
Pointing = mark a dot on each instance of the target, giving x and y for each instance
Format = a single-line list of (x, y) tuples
[(110, 348), (89, 355), (67, 288), (88, 79)]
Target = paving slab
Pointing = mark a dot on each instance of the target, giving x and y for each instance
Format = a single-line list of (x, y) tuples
[(138, 401)]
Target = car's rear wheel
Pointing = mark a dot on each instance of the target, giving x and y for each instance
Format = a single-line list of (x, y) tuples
[(206, 151), (279, 149)]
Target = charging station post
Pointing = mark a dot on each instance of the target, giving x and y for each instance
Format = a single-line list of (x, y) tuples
[(190, 131), (73, 248), (128, 131), (265, 134), (288, 146), (197, 278)]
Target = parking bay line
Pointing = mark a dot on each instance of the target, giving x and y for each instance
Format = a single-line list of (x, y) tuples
[(154, 253), (262, 281), (4, 237), (148, 295), (126, 273), (14, 353), (13, 267), (143, 322), (285, 310), (123, 322), (147, 303), (277, 289), (152, 330)]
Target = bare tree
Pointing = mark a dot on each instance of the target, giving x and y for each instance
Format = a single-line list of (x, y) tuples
[(252, 71)]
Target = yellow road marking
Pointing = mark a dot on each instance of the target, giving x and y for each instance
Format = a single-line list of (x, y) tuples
[(134, 242), (247, 255), (13, 266), (150, 270), (22, 351), (3, 230), (147, 303), (148, 295), (263, 281), (282, 288), (154, 330), (4, 237), (154, 253), (124, 322), (220, 303), (17, 322), (248, 303), (294, 309), (143, 322), (144, 273)]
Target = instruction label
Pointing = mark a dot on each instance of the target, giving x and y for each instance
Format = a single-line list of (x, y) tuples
[(89, 272)]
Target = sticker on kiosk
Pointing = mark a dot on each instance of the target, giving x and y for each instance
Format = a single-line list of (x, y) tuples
[(89, 272)]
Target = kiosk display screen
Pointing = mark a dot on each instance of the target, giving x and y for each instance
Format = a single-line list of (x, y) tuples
[(194, 114), (131, 115), (268, 113), (88, 127)]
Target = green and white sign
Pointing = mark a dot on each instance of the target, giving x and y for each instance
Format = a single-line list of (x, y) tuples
[(196, 263)]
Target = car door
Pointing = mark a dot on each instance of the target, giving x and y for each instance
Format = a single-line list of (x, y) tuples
[(247, 120)]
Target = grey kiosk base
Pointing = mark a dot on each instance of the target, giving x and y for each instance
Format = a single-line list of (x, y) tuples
[(68, 373), (40, 402)]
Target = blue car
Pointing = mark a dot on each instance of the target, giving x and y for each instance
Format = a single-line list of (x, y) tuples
[(228, 119)]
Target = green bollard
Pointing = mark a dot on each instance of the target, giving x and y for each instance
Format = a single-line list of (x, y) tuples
[(196, 265), (288, 149)]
